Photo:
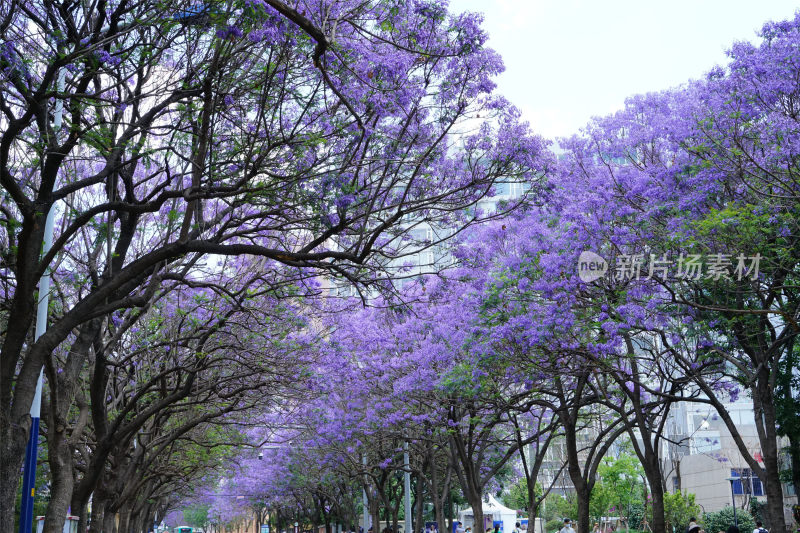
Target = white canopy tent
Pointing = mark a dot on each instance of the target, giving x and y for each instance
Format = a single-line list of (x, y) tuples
[(493, 511)]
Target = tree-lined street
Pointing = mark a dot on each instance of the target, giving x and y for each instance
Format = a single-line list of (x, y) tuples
[(306, 262)]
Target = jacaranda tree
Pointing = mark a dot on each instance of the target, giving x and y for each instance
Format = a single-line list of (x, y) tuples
[(312, 135)]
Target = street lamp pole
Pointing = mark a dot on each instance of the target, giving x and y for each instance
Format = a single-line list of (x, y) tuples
[(364, 501), (407, 487), (733, 501), (32, 449)]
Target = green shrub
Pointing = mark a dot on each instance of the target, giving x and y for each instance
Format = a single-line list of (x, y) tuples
[(553, 525), (636, 516), (558, 507), (678, 510), (721, 520), (757, 510)]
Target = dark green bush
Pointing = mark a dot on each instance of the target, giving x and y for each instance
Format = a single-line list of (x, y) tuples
[(757, 510), (721, 520), (636, 516)]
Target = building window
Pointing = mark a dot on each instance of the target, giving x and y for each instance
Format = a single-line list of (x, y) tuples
[(502, 189), (746, 482)]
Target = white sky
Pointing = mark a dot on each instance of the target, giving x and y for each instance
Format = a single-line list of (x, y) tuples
[(569, 60)]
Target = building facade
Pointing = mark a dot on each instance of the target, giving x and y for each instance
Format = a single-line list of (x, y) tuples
[(703, 459)]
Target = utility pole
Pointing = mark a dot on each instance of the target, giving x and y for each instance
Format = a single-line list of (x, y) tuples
[(32, 449), (364, 501), (407, 487)]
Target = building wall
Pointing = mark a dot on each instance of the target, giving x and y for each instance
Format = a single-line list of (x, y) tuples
[(706, 477), (705, 457)]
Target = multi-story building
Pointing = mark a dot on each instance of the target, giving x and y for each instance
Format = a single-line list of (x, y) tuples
[(425, 249), (703, 459)]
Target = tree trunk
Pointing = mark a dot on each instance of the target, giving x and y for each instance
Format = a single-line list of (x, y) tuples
[(375, 513), (469, 477), (124, 519), (450, 511), (146, 517), (659, 524), (574, 464), (651, 464), (439, 513), (60, 460), (438, 502), (136, 523), (476, 501), (774, 492), (109, 522), (82, 512), (97, 521), (419, 503), (583, 494), (763, 404), (17, 389), (12, 450)]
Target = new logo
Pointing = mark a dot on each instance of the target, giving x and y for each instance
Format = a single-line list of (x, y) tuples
[(591, 267)]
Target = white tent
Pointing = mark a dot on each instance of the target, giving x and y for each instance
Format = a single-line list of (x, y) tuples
[(493, 511)]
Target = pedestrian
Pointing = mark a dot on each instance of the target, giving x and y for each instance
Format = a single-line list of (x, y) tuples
[(567, 526), (693, 527), (497, 528), (759, 528), (516, 527), (596, 528)]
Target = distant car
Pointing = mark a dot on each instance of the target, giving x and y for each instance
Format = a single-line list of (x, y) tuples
[(184, 529)]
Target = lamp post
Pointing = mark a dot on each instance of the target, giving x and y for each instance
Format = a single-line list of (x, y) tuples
[(364, 501), (42, 306), (32, 448), (733, 500), (407, 488)]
